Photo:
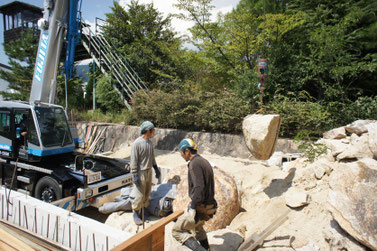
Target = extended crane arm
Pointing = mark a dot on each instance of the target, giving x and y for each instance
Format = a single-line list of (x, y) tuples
[(60, 18)]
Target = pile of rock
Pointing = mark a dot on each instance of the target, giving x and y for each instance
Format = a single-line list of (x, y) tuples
[(348, 174), (353, 194)]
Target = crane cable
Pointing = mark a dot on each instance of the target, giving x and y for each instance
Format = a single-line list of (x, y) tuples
[(260, 84)]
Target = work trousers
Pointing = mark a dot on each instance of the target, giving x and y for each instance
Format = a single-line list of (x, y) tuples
[(142, 191), (185, 227)]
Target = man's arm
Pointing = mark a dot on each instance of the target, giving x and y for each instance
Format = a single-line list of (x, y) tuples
[(134, 163), (198, 189)]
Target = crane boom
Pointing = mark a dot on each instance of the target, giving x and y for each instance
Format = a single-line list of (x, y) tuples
[(58, 17)]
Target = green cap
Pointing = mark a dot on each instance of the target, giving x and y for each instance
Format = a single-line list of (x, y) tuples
[(145, 126)]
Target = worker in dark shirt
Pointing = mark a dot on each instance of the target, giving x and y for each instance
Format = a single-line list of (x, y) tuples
[(188, 229)]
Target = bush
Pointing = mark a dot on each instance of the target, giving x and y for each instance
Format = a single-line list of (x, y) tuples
[(99, 116), (201, 111), (299, 112), (345, 113)]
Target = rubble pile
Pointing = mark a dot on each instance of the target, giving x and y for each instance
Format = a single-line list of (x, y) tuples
[(332, 200)]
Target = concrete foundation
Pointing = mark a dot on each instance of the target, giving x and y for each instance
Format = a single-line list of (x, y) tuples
[(69, 229)]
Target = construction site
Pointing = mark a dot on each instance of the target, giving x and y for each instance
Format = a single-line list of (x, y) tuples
[(66, 185)]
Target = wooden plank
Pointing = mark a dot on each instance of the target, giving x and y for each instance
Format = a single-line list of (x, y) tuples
[(13, 242), (35, 241), (5, 246), (146, 239)]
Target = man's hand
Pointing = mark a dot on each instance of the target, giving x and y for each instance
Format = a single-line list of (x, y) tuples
[(157, 171), (191, 212)]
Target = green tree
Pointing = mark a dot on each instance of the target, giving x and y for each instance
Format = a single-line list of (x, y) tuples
[(22, 54), (334, 50), (140, 32), (75, 92), (107, 97)]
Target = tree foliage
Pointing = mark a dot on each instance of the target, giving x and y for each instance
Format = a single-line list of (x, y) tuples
[(148, 41), (22, 54)]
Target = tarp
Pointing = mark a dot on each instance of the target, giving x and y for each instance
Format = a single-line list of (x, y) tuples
[(161, 200)]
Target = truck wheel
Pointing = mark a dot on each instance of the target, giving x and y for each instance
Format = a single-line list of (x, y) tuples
[(48, 190)]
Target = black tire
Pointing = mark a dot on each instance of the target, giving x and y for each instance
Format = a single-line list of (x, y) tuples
[(48, 190)]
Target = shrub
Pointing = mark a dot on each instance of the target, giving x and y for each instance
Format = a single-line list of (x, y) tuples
[(99, 116), (308, 147), (298, 112), (344, 113), (201, 111)]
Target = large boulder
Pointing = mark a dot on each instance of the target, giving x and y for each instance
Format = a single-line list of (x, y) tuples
[(260, 133), (372, 132), (226, 195), (352, 200)]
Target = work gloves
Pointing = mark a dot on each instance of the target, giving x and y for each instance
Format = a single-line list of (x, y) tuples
[(157, 171)]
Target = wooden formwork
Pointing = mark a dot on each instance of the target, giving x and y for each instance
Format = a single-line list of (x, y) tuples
[(151, 238)]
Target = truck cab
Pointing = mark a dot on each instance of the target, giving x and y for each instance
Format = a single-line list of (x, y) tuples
[(42, 162), (33, 132)]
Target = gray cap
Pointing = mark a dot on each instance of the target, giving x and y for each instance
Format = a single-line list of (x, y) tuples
[(145, 126)]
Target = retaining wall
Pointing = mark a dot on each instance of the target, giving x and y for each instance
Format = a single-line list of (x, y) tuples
[(232, 145)]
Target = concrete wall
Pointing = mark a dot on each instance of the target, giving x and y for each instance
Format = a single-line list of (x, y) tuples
[(69, 229), (117, 135)]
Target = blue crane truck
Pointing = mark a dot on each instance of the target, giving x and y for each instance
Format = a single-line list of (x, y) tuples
[(37, 146)]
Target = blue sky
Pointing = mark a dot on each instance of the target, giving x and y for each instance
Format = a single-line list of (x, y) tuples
[(97, 8)]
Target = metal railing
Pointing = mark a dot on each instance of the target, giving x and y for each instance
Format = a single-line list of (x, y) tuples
[(111, 62)]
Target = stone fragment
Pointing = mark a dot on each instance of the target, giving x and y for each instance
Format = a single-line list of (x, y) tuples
[(359, 126), (224, 240), (319, 172), (304, 178), (260, 133), (352, 200), (358, 148), (226, 195), (337, 133), (336, 146), (372, 132), (296, 197)]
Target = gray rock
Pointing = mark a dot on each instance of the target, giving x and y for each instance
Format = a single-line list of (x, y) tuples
[(337, 133), (359, 126), (352, 200), (260, 133)]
